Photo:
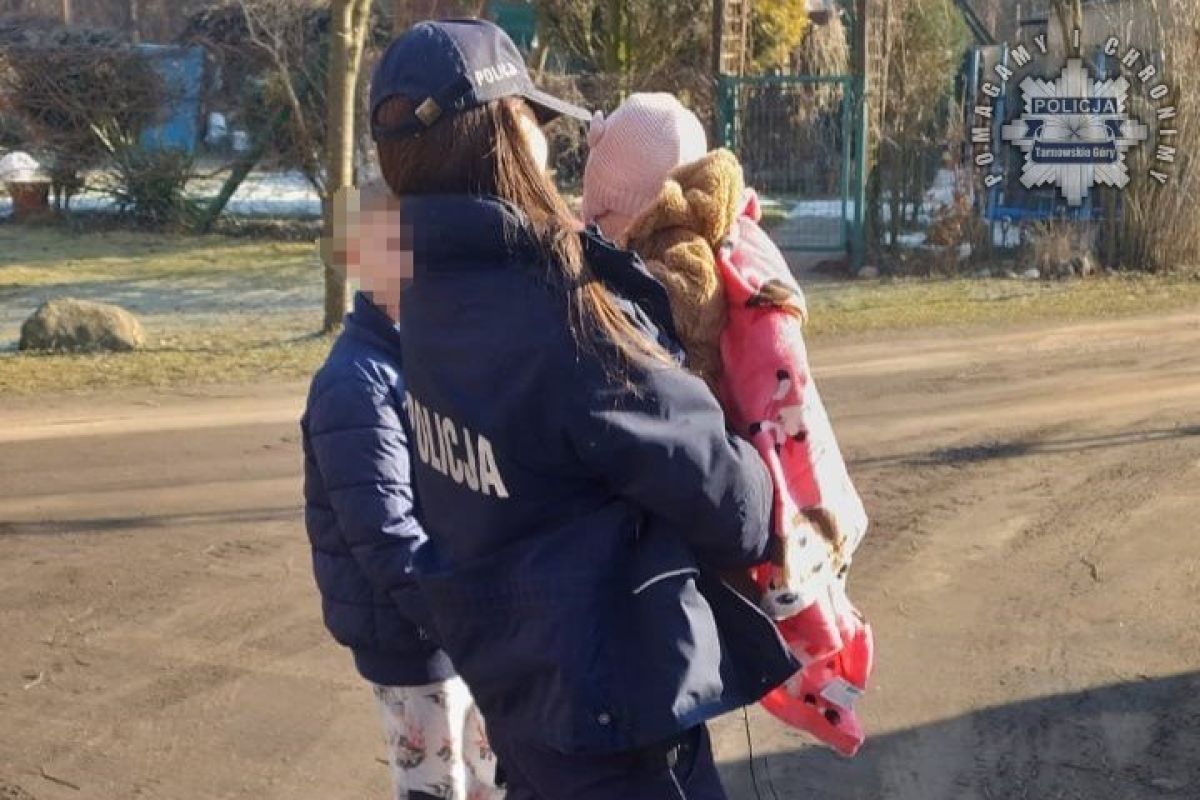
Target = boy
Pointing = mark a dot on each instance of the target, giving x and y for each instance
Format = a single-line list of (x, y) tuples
[(361, 516)]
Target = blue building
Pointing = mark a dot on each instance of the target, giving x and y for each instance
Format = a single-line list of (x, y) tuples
[(182, 71)]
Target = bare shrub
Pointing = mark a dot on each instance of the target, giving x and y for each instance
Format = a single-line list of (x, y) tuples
[(915, 49), (597, 54), (956, 228), (568, 140), (30, 30), (74, 99), (1159, 229), (1051, 243), (149, 185), (1060, 248), (634, 42), (271, 62), (824, 51)]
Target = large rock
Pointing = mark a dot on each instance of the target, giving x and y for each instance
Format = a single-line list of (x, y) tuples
[(868, 273), (68, 325)]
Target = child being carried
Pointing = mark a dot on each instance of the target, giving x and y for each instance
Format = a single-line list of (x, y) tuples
[(651, 186)]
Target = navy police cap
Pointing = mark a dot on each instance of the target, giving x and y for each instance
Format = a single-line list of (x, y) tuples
[(447, 67)]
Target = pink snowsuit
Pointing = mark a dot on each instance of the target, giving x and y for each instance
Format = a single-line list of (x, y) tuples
[(769, 396)]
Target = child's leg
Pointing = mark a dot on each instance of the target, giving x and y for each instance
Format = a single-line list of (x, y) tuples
[(435, 745), (477, 751), (391, 711)]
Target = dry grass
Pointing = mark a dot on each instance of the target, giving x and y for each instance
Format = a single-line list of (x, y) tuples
[(243, 349), (46, 256), (237, 350), (863, 307), (215, 310), (260, 344)]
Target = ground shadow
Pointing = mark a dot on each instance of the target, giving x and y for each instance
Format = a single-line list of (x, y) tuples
[(1018, 448), (149, 522), (1125, 741)]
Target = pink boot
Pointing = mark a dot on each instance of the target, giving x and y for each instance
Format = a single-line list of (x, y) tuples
[(820, 698)]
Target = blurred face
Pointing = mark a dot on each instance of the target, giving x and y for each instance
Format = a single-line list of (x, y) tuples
[(372, 244)]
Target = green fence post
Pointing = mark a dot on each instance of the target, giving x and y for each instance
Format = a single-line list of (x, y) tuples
[(859, 250), (847, 133), (724, 113)]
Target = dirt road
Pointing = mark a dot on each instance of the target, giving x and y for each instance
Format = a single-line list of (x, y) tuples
[(1032, 575)]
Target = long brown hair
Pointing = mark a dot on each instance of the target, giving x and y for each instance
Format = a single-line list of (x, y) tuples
[(482, 151)]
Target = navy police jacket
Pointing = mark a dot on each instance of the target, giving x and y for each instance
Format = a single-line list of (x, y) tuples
[(575, 515), (359, 506)]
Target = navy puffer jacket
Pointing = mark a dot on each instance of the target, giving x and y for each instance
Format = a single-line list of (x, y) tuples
[(575, 515), (360, 509)]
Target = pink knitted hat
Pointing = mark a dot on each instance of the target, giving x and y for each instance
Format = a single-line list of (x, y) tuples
[(631, 154)]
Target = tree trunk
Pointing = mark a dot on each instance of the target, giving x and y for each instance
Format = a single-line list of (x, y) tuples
[(67, 17), (242, 168), (349, 20), (245, 163), (1110, 228)]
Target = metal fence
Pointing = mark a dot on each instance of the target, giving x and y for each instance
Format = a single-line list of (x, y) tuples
[(795, 137)]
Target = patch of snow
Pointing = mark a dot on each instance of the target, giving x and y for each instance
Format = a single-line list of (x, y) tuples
[(914, 239), (803, 209), (941, 193), (19, 167), (286, 195), (283, 195)]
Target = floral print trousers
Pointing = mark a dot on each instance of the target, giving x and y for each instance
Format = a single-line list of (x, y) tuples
[(437, 744)]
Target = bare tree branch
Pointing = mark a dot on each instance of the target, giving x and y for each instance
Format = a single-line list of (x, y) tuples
[(266, 25)]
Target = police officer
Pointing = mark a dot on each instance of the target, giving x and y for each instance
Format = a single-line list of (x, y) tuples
[(578, 487)]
